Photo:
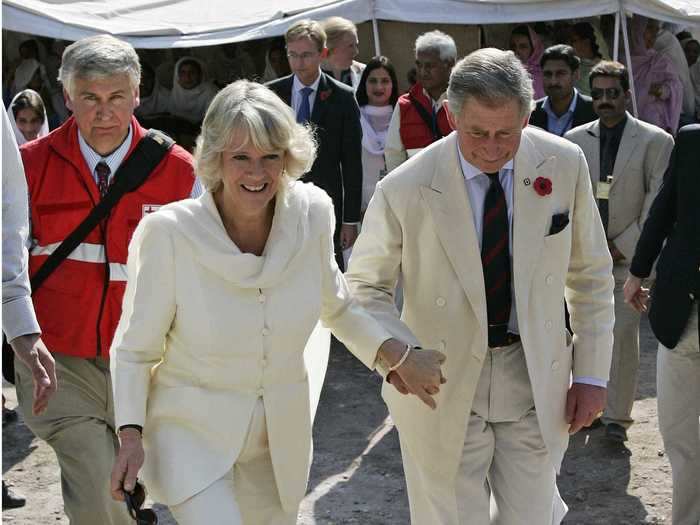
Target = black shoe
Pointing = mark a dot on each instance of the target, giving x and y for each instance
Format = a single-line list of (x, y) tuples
[(9, 415), (615, 432), (10, 500)]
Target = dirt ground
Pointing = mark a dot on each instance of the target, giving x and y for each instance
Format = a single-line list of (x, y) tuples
[(357, 475)]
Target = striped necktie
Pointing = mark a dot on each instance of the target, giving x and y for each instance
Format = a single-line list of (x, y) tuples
[(495, 260), (103, 172)]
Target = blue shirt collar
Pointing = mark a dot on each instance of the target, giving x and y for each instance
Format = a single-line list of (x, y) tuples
[(547, 107), (113, 160)]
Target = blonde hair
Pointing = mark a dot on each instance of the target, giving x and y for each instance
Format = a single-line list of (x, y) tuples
[(251, 110), (306, 29), (336, 28)]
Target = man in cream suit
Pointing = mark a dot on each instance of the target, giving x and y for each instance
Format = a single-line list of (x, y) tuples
[(627, 159), (491, 227)]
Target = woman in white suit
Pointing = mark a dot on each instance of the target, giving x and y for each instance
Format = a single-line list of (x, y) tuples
[(218, 360)]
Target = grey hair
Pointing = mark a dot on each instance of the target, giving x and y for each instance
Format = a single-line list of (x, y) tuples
[(99, 56), (250, 113), (492, 76), (437, 42)]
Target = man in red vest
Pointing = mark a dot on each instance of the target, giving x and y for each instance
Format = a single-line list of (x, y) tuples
[(419, 118), (78, 306)]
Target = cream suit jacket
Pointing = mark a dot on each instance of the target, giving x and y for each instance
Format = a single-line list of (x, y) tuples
[(206, 330), (419, 223), (641, 162)]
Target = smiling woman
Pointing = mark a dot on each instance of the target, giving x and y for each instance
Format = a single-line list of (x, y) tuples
[(223, 299)]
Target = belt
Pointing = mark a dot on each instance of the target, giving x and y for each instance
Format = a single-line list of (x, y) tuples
[(506, 340)]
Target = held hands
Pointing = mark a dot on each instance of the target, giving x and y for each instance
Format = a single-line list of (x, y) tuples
[(127, 463), (584, 403), (32, 351), (420, 373), (636, 296)]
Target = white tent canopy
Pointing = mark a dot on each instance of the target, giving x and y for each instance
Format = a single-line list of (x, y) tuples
[(189, 23)]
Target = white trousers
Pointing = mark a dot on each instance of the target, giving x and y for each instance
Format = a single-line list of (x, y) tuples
[(678, 390), (624, 368), (247, 494), (505, 475)]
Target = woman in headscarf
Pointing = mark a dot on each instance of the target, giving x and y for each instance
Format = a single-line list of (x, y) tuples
[(591, 48), (28, 116), (31, 74), (276, 63), (154, 98), (192, 92), (657, 85), (527, 46)]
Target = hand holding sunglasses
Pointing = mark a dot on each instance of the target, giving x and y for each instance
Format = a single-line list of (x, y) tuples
[(134, 501)]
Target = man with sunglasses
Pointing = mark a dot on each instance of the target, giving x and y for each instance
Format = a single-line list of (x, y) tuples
[(627, 159)]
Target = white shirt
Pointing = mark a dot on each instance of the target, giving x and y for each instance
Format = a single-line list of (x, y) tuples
[(477, 186), (297, 86)]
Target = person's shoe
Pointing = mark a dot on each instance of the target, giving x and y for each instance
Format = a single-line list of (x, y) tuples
[(597, 423), (615, 432), (10, 500), (9, 415)]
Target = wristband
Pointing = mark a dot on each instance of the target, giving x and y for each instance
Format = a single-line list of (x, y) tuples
[(137, 427), (402, 360)]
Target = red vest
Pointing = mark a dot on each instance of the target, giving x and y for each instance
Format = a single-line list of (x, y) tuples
[(79, 305), (414, 131)]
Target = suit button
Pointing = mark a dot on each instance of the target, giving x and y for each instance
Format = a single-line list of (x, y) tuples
[(260, 391), (440, 302), (548, 324), (555, 365), (261, 298), (266, 331), (549, 279)]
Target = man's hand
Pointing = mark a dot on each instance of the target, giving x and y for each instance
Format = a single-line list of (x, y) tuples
[(584, 403), (420, 374), (30, 349), (615, 253), (127, 463), (348, 235), (636, 296)]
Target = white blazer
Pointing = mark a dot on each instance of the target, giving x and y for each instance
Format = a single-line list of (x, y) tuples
[(419, 224), (206, 330)]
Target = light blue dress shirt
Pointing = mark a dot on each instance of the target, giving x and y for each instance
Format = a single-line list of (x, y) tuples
[(560, 125)]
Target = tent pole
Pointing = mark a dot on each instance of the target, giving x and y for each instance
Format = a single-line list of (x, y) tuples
[(628, 56), (616, 44), (375, 30)]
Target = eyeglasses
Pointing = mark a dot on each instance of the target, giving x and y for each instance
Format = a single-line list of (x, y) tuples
[(611, 93), (304, 56), (134, 501)]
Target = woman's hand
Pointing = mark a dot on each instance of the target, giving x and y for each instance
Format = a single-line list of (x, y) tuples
[(420, 374), (127, 464), (636, 296)]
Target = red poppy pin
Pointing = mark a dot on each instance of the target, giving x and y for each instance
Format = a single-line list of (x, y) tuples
[(325, 94), (543, 186)]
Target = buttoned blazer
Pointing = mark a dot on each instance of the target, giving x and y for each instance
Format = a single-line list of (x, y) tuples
[(583, 112), (206, 330), (419, 224), (641, 162), (338, 165)]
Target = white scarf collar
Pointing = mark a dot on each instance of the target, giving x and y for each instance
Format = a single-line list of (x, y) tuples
[(374, 140)]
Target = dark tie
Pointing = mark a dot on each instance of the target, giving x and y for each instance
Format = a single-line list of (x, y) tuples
[(103, 171), (495, 260), (304, 113)]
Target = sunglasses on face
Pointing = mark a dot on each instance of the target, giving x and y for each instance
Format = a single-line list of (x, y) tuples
[(611, 93), (134, 501)]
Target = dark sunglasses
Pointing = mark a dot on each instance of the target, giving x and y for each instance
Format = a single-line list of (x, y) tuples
[(611, 93), (134, 501)]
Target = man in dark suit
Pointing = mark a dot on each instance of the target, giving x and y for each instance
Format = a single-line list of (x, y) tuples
[(331, 107), (675, 219), (564, 107)]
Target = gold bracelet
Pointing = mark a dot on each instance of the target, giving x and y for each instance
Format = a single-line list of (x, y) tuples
[(402, 360)]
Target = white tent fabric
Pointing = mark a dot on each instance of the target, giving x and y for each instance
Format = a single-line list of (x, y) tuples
[(189, 23)]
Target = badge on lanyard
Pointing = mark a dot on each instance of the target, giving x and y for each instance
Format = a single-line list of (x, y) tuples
[(603, 188)]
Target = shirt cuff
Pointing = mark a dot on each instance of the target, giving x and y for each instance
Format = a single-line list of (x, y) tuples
[(18, 318), (588, 380)]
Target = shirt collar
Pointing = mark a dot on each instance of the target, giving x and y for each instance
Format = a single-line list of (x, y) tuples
[(470, 171), (546, 106), (298, 86), (113, 160)]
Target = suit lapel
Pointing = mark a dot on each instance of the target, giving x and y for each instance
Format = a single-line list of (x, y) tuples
[(448, 204), (285, 90), (530, 214), (628, 143), (320, 102)]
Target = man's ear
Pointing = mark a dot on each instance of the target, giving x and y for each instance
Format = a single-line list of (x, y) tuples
[(325, 52), (526, 120), (66, 98), (450, 117)]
